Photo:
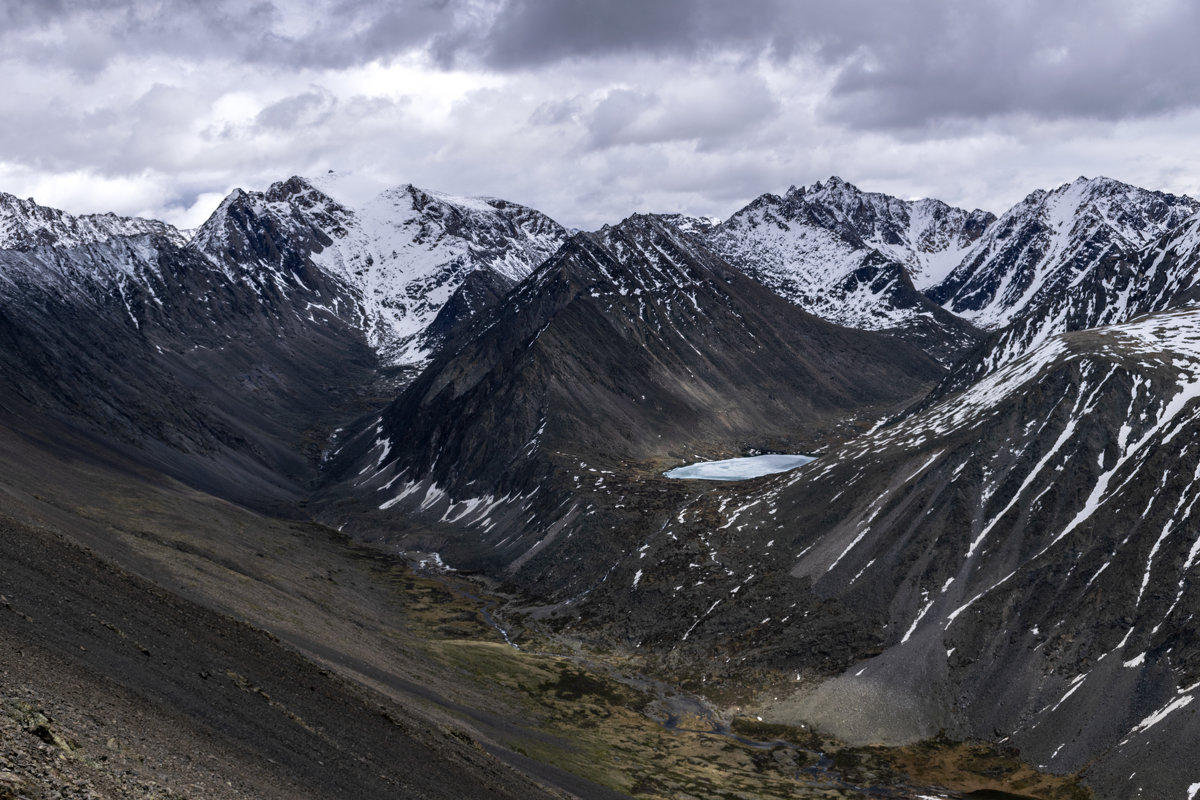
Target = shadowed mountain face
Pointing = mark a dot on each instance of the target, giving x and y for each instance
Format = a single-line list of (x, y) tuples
[(479, 291), (634, 343), (145, 347), (226, 362)]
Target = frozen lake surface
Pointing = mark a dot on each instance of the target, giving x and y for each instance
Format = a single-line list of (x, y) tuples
[(737, 469)]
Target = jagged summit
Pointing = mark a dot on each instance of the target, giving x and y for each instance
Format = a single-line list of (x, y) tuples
[(24, 225), (1118, 286), (856, 258), (865, 259), (927, 236), (1043, 245), (396, 259)]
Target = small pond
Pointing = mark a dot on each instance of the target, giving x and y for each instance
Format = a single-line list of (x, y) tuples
[(737, 469)]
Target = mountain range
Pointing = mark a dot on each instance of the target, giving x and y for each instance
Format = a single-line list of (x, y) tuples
[(996, 541)]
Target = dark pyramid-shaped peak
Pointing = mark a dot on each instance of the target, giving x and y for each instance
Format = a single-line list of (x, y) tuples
[(658, 253), (272, 233), (293, 187), (630, 343)]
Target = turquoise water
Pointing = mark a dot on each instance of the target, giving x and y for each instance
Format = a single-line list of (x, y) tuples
[(737, 469)]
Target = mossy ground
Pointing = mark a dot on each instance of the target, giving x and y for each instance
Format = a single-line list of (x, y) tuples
[(594, 725)]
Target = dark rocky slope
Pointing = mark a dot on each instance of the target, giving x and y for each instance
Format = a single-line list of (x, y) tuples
[(1014, 562), (148, 693), (136, 663), (152, 350), (632, 349)]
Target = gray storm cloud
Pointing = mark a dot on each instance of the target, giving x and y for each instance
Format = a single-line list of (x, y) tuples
[(899, 63), (157, 104)]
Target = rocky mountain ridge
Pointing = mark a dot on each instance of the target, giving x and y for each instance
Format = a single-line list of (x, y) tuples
[(1114, 284), (24, 225), (390, 264), (856, 258), (1048, 241), (1007, 555)]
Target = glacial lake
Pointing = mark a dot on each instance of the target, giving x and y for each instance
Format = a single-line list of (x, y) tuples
[(738, 469)]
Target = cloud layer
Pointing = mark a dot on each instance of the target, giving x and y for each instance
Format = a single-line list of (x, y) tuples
[(593, 110)]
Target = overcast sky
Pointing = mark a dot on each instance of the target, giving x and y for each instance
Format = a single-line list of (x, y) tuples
[(592, 109)]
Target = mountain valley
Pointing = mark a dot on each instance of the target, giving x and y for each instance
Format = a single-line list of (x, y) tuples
[(335, 498)]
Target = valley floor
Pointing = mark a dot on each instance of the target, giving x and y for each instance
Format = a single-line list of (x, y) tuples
[(250, 657)]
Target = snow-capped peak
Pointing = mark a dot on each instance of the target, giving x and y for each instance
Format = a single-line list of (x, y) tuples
[(1049, 239), (853, 257), (691, 223), (24, 225), (929, 237), (401, 255)]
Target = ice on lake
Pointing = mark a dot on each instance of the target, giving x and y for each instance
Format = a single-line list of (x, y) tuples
[(737, 469)]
